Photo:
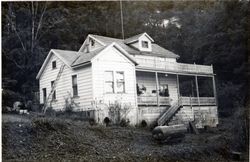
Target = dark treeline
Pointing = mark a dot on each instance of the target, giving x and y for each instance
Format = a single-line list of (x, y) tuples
[(207, 32)]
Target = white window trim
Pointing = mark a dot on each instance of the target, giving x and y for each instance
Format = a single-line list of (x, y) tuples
[(115, 82)]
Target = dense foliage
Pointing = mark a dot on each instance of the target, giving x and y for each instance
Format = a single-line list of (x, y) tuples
[(207, 32)]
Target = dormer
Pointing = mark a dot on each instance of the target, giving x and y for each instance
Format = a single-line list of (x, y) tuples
[(143, 42), (90, 44)]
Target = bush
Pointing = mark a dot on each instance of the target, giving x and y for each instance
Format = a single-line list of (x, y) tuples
[(124, 122), (144, 123), (153, 125), (92, 121), (50, 112), (107, 121), (9, 97)]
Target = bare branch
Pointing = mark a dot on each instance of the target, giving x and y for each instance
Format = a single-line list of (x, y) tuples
[(19, 38), (40, 21)]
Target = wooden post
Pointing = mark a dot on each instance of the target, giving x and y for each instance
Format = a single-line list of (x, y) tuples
[(214, 90), (178, 85), (157, 87), (197, 90), (178, 89)]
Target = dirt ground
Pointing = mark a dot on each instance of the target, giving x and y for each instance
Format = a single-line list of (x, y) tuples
[(28, 138)]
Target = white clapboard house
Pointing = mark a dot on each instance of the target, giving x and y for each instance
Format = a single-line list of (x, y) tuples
[(139, 75)]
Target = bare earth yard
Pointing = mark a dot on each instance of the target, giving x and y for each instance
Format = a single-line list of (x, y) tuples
[(56, 139)]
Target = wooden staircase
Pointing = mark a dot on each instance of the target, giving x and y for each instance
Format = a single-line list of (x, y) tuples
[(49, 98), (166, 116)]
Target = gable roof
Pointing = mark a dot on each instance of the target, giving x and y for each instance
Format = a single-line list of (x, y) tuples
[(75, 59), (156, 49), (86, 57), (136, 37)]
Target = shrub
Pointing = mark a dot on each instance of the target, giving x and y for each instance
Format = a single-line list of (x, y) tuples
[(92, 121), (50, 112), (153, 125), (144, 123), (124, 122), (107, 121)]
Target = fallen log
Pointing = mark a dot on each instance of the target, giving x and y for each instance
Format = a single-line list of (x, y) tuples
[(165, 132)]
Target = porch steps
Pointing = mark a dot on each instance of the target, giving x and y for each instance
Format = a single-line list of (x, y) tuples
[(184, 116), (166, 116)]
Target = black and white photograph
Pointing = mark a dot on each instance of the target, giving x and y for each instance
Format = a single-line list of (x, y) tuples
[(125, 81)]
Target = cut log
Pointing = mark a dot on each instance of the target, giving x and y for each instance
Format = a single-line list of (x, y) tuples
[(164, 132), (193, 128)]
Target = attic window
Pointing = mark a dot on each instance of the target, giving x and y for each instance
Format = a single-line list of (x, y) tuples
[(144, 44), (53, 64), (92, 42)]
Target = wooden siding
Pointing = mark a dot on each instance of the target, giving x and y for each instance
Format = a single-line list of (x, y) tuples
[(64, 86), (148, 80), (206, 115), (113, 60), (150, 113)]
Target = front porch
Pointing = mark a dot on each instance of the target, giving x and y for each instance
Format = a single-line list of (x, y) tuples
[(163, 89), (176, 98)]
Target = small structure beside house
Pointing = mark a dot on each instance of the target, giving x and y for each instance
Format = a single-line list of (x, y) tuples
[(134, 76)]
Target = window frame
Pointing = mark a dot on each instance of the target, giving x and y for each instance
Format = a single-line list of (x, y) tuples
[(54, 93), (44, 94), (53, 64), (123, 82), (92, 43), (113, 82), (74, 86), (144, 43)]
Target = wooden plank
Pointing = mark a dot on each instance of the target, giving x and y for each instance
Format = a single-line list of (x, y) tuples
[(214, 90), (178, 86), (193, 128), (157, 87)]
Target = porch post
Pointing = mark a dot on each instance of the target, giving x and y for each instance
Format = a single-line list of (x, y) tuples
[(197, 90), (157, 87), (178, 86), (214, 90)]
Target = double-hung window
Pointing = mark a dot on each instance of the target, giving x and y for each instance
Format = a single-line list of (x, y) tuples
[(120, 83), (74, 85), (53, 64), (109, 82), (54, 93)]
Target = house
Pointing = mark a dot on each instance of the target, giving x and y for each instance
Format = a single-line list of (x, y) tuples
[(136, 74)]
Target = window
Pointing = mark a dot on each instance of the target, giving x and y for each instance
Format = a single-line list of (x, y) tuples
[(120, 82), (163, 91), (144, 44), (74, 85), (92, 42), (44, 95), (109, 82), (53, 64), (54, 93)]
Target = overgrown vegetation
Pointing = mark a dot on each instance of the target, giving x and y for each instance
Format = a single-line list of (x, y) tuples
[(118, 113)]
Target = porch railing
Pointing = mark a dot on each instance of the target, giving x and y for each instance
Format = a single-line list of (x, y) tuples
[(152, 100), (194, 101), (173, 66)]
